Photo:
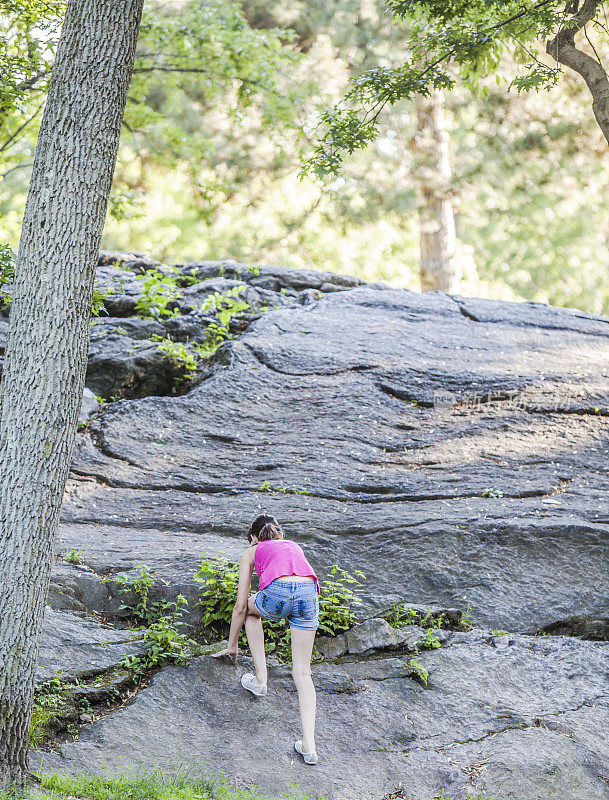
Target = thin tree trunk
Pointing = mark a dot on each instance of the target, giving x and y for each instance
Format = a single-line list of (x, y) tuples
[(562, 48), (432, 175), (48, 335)]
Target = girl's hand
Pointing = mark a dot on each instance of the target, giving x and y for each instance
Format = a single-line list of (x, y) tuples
[(231, 652)]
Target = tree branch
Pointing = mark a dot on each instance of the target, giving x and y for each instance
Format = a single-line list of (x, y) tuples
[(204, 71), (13, 136), (562, 48), (16, 167)]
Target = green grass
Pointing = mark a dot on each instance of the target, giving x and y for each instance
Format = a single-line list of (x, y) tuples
[(49, 702), (147, 785)]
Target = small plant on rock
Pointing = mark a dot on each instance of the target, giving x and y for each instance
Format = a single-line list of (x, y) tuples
[(72, 556), (418, 669), (492, 493), (466, 619), (49, 702), (225, 306), (429, 641), (265, 486), (165, 644), (402, 616), (178, 354), (160, 291), (144, 611)]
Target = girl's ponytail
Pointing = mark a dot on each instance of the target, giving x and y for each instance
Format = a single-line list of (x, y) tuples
[(270, 531)]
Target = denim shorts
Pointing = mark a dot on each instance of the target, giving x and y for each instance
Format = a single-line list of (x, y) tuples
[(294, 600)]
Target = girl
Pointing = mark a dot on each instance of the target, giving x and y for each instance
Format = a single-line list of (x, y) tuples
[(288, 589)]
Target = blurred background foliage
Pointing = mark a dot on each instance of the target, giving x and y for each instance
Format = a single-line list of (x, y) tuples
[(221, 115)]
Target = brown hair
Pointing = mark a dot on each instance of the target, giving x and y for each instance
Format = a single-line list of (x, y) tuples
[(263, 528), (270, 531)]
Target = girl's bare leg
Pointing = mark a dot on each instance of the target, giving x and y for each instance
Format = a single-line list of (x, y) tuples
[(255, 640), (302, 647)]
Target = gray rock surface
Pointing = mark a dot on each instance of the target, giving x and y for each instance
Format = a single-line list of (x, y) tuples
[(123, 367), (121, 288), (135, 262), (497, 505), (76, 587), (331, 647), (78, 647), (527, 720), (89, 405), (3, 332), (378, 634), (266, 277)]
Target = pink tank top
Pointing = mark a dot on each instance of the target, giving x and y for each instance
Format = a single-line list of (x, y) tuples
[(280, 558)]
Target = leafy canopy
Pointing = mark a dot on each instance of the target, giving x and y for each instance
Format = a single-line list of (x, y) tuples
[(446, 41)]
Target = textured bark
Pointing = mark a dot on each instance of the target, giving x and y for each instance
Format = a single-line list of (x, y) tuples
[(48, 333), (432, 174), (562, 48)]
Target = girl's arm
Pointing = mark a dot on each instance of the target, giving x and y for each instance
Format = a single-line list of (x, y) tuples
[(246, 568)]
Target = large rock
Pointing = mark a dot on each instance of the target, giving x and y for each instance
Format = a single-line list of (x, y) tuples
[(527, 719), (349, 419), (453, 449), (3, 332), (76, 587)]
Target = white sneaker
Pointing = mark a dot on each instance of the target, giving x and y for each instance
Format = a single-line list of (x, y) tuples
[(248, 681), (310, 758)]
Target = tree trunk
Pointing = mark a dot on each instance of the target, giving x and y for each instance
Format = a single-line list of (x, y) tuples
[(432, 175), (562, 48), (48, 335)]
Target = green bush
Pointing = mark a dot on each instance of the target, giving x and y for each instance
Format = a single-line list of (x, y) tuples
[(225, 306), (163, 630), (159, 291), (165, 644), (429, 641), (337, 599), (401, 615), (144, 611), (138, 588), (219, 578)]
